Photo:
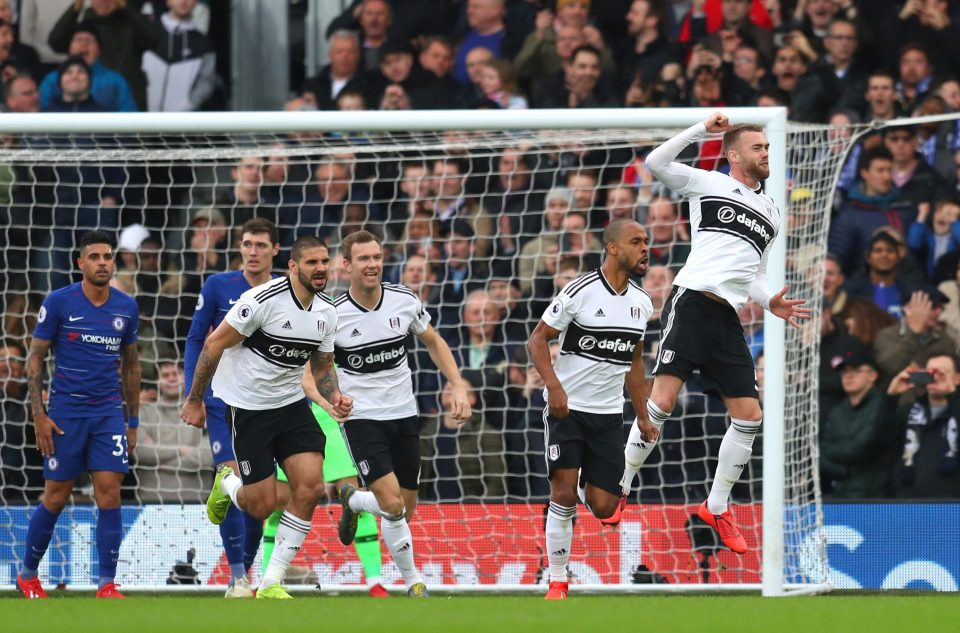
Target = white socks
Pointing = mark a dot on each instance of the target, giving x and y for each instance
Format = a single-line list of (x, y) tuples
[(365, 501), (735, 450), (230, 485), (396, 534), (559, 538), (639, 449), (289, 539)]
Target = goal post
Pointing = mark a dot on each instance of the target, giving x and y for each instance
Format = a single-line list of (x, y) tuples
[(793, 556)]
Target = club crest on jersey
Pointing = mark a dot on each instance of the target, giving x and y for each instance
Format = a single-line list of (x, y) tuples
[(635, 313), (364, 468), (667, 356), (553, 452), (119, 323), (395, 324), (52, 463), (245, 467), (320, 327)]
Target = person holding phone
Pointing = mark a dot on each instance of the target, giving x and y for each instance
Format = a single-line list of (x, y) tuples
[(929, 466), (919, 334)]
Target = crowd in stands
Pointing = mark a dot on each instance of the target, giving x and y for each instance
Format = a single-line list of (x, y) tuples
[(487, 240)]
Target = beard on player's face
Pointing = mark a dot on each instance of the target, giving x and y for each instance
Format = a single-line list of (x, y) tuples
[(311, 279)]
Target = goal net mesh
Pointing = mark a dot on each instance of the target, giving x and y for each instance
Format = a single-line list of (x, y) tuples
[(485, 227)]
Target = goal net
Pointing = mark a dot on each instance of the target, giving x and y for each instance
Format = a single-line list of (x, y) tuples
[(485, 216)]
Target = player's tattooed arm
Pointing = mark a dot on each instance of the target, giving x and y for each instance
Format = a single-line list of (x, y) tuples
[(324, 374), (130, 376), (202, 375), (325, 378), (224, 337), (35, 357), (44, 427)]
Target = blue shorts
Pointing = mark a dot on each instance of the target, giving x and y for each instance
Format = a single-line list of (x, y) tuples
[(87, 444), (219, 432)]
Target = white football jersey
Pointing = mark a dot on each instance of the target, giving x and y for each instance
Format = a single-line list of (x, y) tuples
[(371, 352), (599, 332), (731, 225), (266, 370)]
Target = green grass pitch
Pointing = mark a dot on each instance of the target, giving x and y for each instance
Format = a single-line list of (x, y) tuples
[(501, 614)]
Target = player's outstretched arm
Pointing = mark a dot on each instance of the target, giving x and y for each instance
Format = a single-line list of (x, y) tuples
[(639, 390), (539, 348), (44, 426), (224, 337), (130, 378), (789, 309), (662, 160), (327, 385), (442, 357)]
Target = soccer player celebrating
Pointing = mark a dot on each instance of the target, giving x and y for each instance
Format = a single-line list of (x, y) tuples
[(259, 243), (255, 359), (733, 223), (600, 318), (383, 433), (92, 330)]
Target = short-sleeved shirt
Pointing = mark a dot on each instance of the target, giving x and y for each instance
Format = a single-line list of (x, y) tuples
[(266, 370), (87, 341), (600, 330), (371, 352)]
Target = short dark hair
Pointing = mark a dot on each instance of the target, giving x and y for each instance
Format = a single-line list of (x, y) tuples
[(882, 72), (877, 153), (261, 225), (612, 232), (731, 136), (95, 237), (914, 46), (357, 237), (303, 243), (584, 48)]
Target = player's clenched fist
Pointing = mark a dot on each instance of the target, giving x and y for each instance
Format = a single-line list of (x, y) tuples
[(342, 406), (193, 413), (717, 123)]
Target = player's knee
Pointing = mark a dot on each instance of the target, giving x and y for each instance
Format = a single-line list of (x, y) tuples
[(392, 505), (309, 492), (260, 509), (603, 509), (565, 498), (109, 498), (55, 502)]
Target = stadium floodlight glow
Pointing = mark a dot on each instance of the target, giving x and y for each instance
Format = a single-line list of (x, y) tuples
[(147, 149)]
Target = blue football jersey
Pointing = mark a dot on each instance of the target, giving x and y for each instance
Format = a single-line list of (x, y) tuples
[(86, 341), (217, 296)]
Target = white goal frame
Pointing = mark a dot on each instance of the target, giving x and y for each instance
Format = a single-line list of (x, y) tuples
[(774, 121)]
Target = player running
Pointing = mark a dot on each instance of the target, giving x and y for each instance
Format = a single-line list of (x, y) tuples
[(383, 433), (259, 244), (265, 340), (733, 222), (92, 330), (600, 319)]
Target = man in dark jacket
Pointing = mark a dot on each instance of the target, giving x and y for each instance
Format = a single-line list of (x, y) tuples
[(125, 35), (929, 466), (855, 451), (873, 202)]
